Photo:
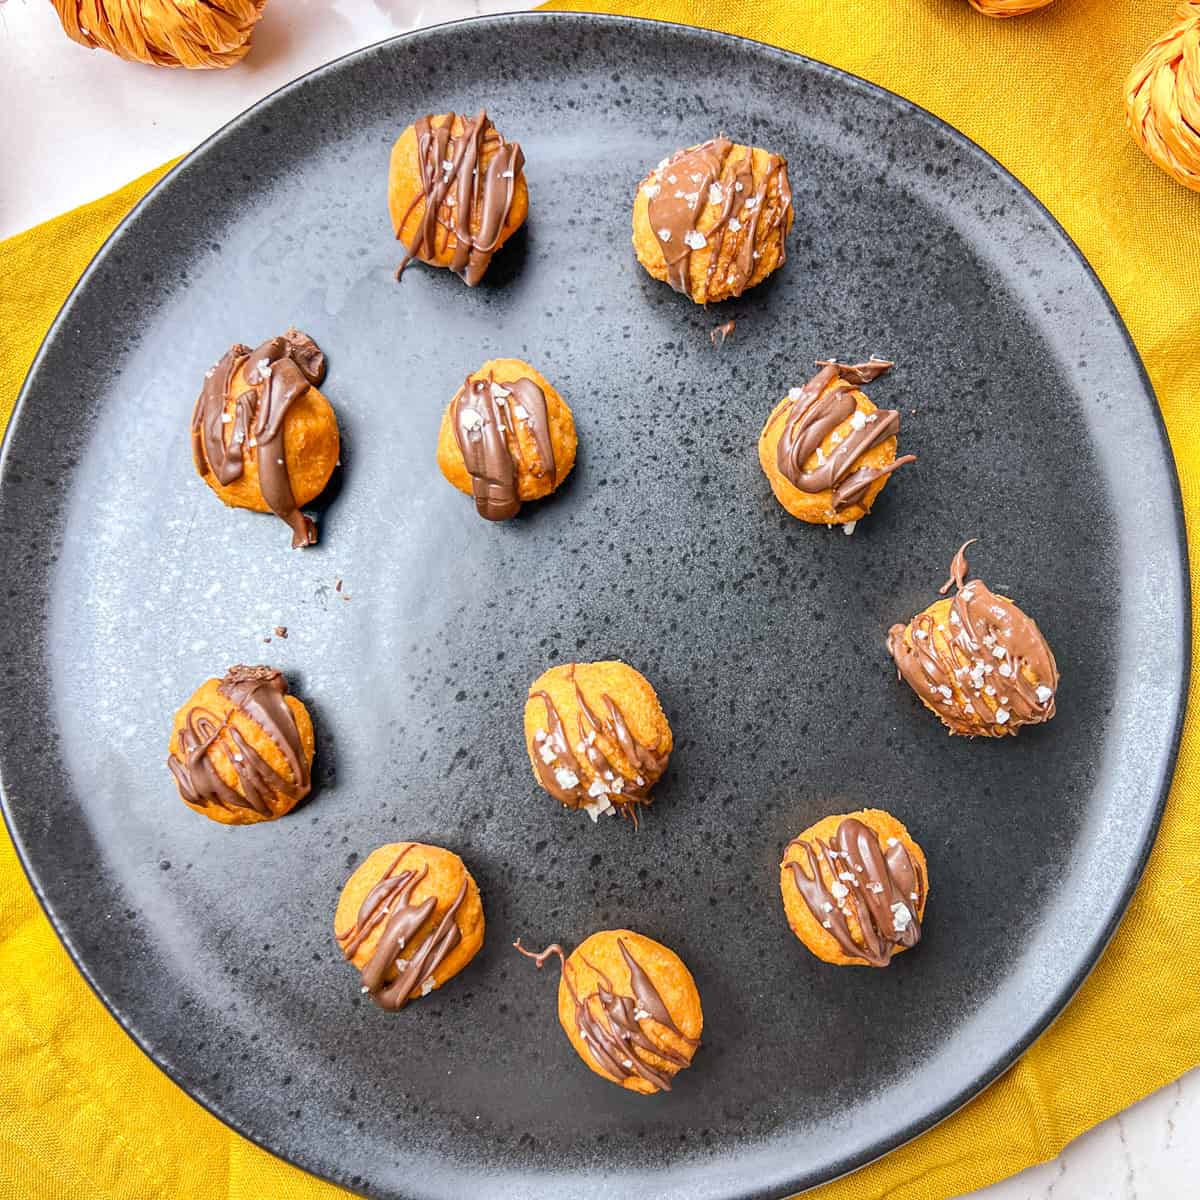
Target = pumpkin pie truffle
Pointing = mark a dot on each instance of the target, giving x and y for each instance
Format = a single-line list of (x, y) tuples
[(712, 220), (263, 436), (854, 888), (410, 918), (456, 193), (597, 737), (507, 436), (629, 1007), (976, 660), (826, 450), (241, 748)]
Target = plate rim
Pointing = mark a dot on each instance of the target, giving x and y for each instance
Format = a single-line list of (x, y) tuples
[(915, 1128)]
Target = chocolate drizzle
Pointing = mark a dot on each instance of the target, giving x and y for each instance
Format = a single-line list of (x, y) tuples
[(559, 762), (278, 373), (390, 901), (814, 412), (986, 669), (680, 189), (257, 693), (615, 1027), (465, 199), (882, 890), (485, 416)]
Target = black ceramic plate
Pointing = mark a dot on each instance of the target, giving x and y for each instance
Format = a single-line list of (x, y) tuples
[(128, 583)]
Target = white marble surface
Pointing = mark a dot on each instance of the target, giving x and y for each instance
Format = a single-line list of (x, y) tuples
[(78, 124)]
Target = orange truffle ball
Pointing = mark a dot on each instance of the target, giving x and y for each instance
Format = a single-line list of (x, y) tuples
[(410, 918), (241, 748), (712, 220), (854, 888), (826, 450), (976, 660), (263, 435), (456, 192), (597, 736), (629, 1007), (506, 437)]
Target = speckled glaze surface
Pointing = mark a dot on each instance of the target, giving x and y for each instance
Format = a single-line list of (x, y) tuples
[(127, 584)]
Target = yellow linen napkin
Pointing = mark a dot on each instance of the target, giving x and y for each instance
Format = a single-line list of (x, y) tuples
[(84, 1115)]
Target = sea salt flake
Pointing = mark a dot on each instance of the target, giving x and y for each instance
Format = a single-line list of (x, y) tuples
[(640, 1014), (945, 691), (839, 890), (795, 393), (824, 924), (715, 193), (848, 528), (921, 634), (695, 239), (858, 419), (227, 418), (737, 187), (672, 179), (664, 235), (998, 652), (547, 753), (596, 788), (872, 418), (468, 418), (1044, 694), (598, 807), (1001, 716), (506, 174), (428, 986), (875, 887), (901, 916), (751, 203), (734, 225), (892, 842), (652, 190), (697, 177), (566, 778), (520, 412), (826, 906), (1005, 670), (499, 391)]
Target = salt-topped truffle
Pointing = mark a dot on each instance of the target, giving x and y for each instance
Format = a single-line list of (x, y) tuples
[(597, 737), (976, 660), (712, 219)]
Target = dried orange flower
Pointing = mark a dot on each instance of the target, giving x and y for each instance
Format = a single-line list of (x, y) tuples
[(166, 33), (1162, 99), (1008, 8)]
